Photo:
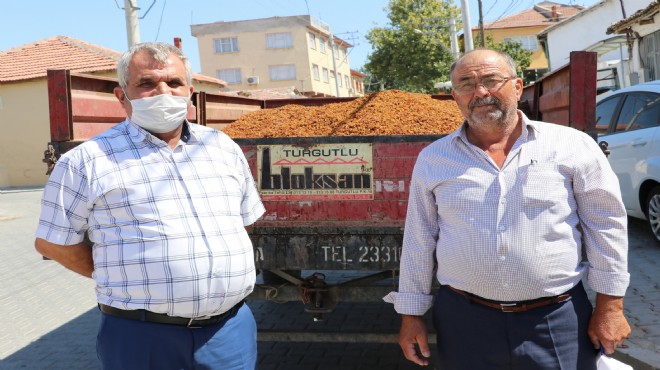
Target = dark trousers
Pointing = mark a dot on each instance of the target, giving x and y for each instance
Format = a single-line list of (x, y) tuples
[(124, 344), (471, 336)]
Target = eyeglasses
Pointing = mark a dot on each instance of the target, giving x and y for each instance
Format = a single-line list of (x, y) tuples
[(489, 83)]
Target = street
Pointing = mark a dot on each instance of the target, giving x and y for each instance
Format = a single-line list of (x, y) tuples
[(48, 315)]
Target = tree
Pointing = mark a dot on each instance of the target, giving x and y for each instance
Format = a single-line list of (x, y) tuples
[(520, 55), (413, 53)]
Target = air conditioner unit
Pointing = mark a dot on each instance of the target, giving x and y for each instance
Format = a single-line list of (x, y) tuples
[(253, 80)]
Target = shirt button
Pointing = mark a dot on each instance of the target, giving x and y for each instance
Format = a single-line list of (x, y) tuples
[(502, 258), (501, 228), (505, 285), (503, 201)]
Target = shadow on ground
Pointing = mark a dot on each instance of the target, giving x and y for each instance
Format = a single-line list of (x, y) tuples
[(70, 347), (73, 346)]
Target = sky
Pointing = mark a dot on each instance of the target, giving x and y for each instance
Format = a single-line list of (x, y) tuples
[(102, 22)]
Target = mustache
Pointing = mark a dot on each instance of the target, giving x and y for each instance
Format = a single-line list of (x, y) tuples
[(485, 100)]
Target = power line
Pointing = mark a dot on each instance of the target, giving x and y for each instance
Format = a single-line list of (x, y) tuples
[(511, 6), (160, 21), (491, 8)]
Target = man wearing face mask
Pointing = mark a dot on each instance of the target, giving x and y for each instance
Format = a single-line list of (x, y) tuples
[(165, 205)]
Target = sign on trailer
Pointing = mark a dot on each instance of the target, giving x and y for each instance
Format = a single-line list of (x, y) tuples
[(342, 171)]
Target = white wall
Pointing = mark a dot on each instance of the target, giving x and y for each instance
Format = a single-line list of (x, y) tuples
[(588, 28)]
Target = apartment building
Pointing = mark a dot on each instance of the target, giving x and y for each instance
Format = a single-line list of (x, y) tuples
[(276, 52)]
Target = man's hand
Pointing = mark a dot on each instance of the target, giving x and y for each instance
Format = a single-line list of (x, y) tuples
[(413, 339), (608, 327)]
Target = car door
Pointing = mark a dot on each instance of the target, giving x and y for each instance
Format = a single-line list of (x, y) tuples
[(634, 123)]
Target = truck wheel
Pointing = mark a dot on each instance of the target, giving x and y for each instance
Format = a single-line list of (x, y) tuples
[(653, 212)]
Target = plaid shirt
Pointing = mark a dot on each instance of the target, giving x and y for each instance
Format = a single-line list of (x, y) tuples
[(513, 233), (167, 225)]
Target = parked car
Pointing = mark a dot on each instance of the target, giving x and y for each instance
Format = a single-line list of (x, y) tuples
[(629, 121)]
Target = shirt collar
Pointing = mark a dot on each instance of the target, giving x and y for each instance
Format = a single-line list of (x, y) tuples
[(138, 134), (532, 129)]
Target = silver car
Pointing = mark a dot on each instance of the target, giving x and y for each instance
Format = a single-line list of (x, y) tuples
[(628, 120)]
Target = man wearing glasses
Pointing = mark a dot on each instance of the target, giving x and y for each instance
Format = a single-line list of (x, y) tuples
[(504, 208)]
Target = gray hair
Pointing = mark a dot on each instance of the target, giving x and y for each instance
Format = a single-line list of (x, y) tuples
[(159, 51), (507, 58)]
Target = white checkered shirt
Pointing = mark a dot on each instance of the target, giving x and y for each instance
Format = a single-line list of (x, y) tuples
[(513, 233), (167, 224)]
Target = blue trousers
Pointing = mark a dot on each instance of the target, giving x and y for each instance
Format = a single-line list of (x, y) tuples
[(472, 336), (124, 344)]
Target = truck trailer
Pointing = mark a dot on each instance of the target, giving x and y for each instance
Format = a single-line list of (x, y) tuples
[(336, 205)]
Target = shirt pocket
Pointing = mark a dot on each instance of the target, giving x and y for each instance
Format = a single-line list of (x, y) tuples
[(544, 185), (224, 188)]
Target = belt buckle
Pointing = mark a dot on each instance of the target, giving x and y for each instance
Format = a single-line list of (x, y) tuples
[(507, 307)]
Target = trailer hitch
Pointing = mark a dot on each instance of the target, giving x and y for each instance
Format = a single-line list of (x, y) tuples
[(317, 296)]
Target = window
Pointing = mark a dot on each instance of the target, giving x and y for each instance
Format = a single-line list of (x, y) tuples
[(347, 82), (315, 71), (322, 46), (604, 112), (527, 42), (335, 51), (282, 72), (639, 111), (339, 79), (231, 76), (326, 75), (279, 40), (226, 45), (649, 50), (312, 41)]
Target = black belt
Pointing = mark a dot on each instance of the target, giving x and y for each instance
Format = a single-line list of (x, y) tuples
[(514, 306), (161, 318)]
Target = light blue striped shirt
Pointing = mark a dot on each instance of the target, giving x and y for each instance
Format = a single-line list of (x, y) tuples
[(513, 233), (167, 223)]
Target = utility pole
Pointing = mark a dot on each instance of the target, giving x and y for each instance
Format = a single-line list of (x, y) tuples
[(334, 62), (623, 9), (453, 39), (467, 27), (132, 24), (481, 26)]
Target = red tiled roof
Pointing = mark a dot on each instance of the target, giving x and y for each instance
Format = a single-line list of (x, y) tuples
[(357, 74), (539, 15), (31, 61), (60, 52)]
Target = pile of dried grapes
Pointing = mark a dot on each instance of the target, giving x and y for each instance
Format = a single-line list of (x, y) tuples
[(389, 112)]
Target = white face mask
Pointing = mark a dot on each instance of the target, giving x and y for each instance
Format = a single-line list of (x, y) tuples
[(159, 114)]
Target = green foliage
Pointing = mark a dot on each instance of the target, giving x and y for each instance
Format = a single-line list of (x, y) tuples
[(412, 52), (410, 60), (521, 56)]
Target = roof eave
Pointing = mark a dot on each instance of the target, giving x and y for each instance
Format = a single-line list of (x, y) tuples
[(625, 25)]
